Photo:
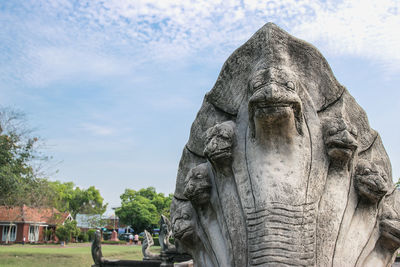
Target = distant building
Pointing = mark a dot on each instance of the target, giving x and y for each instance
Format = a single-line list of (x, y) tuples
[(23, 221), (89, 221), (94, 221), (106, 223)]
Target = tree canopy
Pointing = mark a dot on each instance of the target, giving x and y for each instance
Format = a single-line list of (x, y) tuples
[(67, 197), (21, 179), (20, 182), (142, 209)]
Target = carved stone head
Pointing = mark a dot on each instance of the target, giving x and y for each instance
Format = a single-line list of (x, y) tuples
[(340, 139), (273, 100), (390, 220), (198, 185), (219, 141), (183, 222), (370, 181)]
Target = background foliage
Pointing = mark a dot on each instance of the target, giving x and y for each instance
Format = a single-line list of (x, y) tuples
[(22, 180), (142, 209)]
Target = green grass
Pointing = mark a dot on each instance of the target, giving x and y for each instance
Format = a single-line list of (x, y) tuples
[(56, 256)]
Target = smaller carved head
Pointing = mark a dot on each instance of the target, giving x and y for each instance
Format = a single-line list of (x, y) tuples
[(370, 181), (183, 221), (198, 185), (390, 220), (340, 139), (219, 141)]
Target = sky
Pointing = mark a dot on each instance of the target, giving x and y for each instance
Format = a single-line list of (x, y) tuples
[(114, 86)]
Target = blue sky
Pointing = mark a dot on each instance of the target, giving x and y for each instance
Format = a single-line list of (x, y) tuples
[(113, 86)]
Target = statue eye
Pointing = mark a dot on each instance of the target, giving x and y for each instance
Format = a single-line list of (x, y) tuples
[(290, 85), (185, 217), (367, 171), (257, 84), (332, 130)]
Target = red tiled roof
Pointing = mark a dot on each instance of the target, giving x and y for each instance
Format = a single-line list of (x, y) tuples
[(28, 214)]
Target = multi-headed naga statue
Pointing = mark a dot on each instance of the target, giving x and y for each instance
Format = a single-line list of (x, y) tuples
[(282, 167)]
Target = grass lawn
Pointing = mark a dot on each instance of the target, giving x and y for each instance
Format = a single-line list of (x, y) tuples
[(71, 255)]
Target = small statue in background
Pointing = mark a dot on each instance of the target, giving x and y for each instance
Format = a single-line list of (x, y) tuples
[(147, 243), (96, 249), (165, 234)]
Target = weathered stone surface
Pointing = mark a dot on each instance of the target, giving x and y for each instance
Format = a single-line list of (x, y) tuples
[(282, 167)]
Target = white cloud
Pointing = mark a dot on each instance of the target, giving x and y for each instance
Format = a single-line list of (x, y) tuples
[(363, 28), (48, 40), (96, 129)]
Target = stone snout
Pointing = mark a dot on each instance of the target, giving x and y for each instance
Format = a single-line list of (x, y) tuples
[(370, 182), (274, 109), (198, 185), (219, 143), (340, 141)]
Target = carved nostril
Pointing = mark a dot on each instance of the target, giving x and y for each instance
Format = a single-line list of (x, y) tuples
[(347, 138)]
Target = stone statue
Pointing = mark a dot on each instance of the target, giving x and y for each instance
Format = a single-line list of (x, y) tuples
[(165, 234), (282, 167), (147, 243), (97, 255)]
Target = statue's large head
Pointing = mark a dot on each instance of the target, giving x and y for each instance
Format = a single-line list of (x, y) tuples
[(273, 100)]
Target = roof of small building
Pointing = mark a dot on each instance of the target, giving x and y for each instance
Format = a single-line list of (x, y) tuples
[(89, 220), (29, 214)]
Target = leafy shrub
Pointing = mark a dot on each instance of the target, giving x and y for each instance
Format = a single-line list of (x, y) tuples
[(62, 233), (83, 237), (91, 233), (67, 231)]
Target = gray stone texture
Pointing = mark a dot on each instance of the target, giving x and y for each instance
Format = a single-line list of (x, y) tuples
[(282, 167)]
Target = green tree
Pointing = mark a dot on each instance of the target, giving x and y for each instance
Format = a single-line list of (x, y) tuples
[(67, 197), (21, 178), (20, 157), (142, 209), (67, 231), (161, 202)]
